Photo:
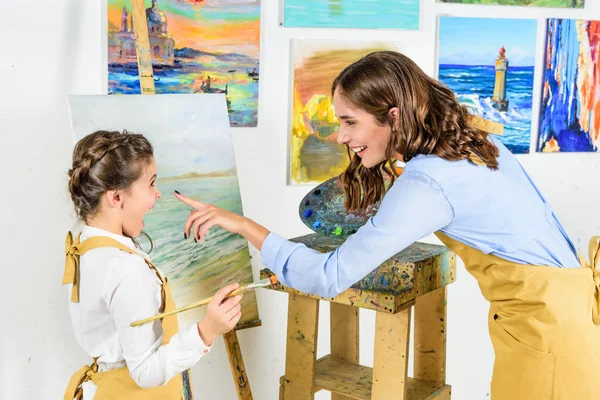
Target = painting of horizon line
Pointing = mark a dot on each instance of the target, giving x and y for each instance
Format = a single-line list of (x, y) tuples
[(197, 47), (489, 64), (570, 110), (194, 155), (315, 156), (523, 3), (360, 14)]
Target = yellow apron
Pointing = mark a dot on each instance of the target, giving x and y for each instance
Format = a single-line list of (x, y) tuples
[(544, 325), (116, 384)]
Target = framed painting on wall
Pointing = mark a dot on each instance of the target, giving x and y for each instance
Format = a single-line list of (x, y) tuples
[(570, 110), (196, 46), (314, 154), (489, 63)]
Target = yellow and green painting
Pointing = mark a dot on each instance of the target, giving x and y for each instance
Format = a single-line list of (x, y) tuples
[(197, 46), (315, 155)]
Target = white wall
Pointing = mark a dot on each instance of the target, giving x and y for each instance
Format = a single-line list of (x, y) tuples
[(53, 48)]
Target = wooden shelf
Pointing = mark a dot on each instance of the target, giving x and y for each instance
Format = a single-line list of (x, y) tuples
[(355, 381)]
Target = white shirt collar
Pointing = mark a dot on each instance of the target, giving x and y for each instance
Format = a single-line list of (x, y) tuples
[(89, 231)]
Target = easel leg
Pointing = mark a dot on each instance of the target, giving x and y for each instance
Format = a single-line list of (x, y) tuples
[(237, 366), (344, 336), (390, 364), (142, 47), (430, 337), (301, 348)]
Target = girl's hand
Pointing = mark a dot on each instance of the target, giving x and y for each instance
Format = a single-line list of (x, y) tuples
[(221, 315), (205, 216)]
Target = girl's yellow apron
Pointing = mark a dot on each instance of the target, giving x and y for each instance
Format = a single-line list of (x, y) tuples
[(116, 384), (544, 324)]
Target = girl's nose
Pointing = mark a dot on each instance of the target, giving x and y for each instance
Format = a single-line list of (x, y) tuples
[(158, 194)]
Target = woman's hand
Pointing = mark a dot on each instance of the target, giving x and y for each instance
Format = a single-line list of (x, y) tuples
[(221, 315), (205, 216)]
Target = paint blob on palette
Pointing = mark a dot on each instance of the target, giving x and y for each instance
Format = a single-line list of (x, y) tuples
[(323, 211)]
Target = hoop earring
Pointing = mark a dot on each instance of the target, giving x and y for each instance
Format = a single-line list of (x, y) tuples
[(149, 240)]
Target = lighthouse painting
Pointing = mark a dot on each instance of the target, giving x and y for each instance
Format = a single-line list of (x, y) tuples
[(489, 64)]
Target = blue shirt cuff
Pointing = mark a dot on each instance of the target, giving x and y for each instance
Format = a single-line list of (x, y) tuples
[(269, 251)]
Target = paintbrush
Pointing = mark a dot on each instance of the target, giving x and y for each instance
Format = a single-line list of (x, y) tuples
[(242, 289)]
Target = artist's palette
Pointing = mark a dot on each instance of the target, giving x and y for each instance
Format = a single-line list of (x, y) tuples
[(322, 210)]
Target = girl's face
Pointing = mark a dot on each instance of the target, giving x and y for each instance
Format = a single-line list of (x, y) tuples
[(361, 132), (139, 199)]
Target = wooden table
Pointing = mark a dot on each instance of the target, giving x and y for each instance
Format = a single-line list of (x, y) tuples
[(417, 277)]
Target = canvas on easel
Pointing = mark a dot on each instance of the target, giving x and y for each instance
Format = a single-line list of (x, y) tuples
[(194, 155)]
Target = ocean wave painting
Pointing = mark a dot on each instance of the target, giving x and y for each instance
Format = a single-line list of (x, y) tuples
[(570, 110), (470, 52), (194, 155)]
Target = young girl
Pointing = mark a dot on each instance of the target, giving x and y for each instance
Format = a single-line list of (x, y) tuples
[(468, 189), (112, 283)]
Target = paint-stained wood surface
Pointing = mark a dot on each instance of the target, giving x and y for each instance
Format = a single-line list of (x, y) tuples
[(236, 363), (142, 47), (430, 337), (301, 348), (355, 382), (390, 364), (395, 284), (344, 330)]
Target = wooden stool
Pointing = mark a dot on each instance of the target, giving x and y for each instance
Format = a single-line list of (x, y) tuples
[(416, 277)]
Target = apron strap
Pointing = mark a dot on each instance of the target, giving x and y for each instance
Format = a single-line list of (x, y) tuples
[(594, 265), (74, 390), (74, 249)]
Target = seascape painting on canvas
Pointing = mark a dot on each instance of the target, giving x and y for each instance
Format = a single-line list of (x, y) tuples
[(489, 63), (194, 155)]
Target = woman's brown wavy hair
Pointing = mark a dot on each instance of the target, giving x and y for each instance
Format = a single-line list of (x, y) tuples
[(431, 121)]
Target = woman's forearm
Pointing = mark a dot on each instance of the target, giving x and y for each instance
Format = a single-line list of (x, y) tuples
[(254, 233)]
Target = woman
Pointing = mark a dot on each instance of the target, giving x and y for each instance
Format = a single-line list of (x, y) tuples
[(468, 189)]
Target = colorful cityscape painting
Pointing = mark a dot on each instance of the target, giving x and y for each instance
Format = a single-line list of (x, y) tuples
[(197, 47), (570, 109), (489, 63)]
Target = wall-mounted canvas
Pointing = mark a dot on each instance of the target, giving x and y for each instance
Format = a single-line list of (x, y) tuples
[(194, 155), (523, 3), (315, 155), (380, 14), (198, 46), (570, 109), (489, 63)]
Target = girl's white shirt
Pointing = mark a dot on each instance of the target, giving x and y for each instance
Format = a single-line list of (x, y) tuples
[(117, 288)]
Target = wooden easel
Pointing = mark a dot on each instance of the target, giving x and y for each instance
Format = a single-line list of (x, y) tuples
[(146, 74)]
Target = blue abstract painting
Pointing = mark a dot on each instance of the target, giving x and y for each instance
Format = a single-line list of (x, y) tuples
[(570, 111), (489, 64), (367, 14)]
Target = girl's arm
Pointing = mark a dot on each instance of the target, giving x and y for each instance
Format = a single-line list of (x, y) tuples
[(132, 292), (413, 208)]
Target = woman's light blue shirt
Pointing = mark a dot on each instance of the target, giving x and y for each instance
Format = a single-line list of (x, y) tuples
[(499, 212)]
